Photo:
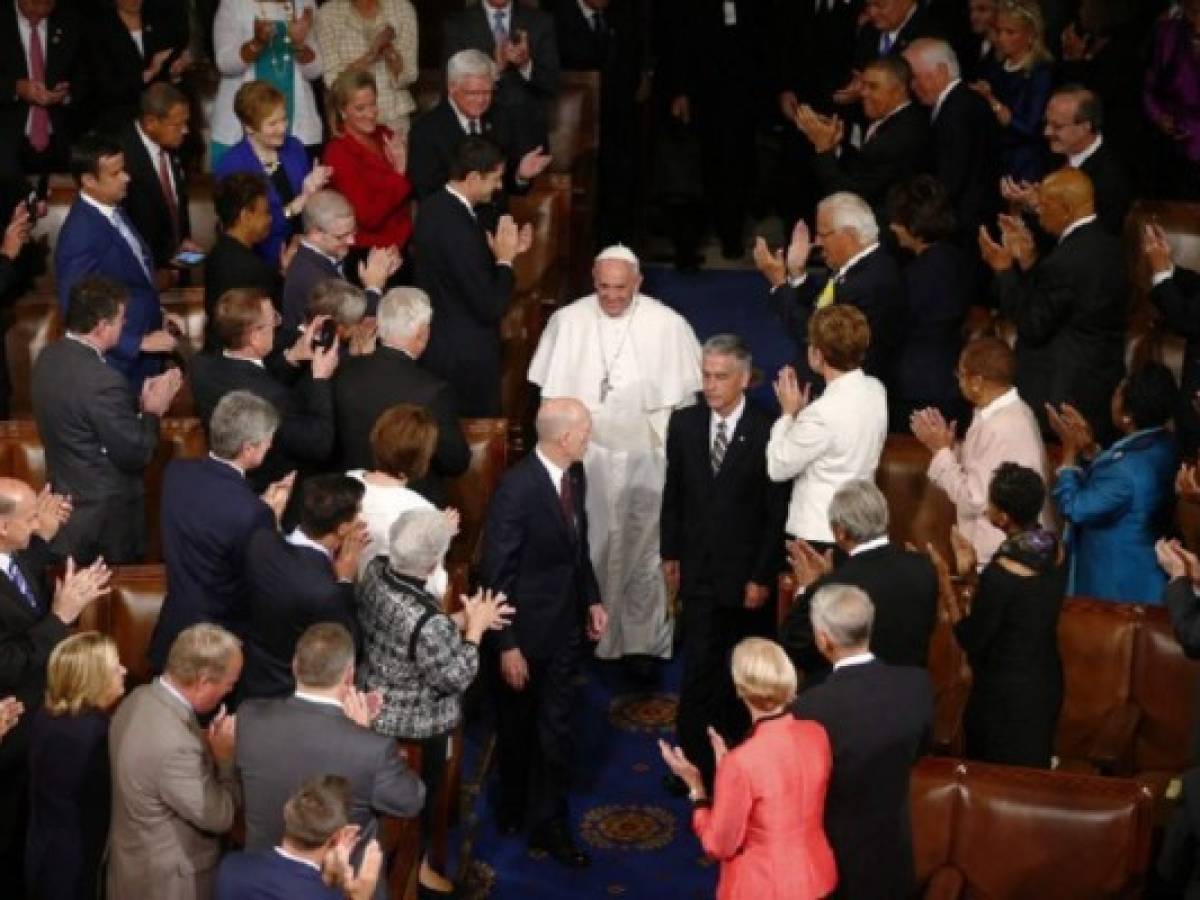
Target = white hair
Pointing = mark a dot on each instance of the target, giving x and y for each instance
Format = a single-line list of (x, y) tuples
[(852, 213), (418, 541), (323, 209), (934, 52), (470, 64), (403, 311), (844, 613)]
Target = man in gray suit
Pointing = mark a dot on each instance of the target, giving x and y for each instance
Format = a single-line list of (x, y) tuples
[(173, 790), (323, 729), (98, 436)]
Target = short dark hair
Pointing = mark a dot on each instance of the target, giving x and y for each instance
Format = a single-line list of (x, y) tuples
[(922, 205), (235, 194), (403, 439), (87, 152), (1018, 492), (94, 299), (160, 98), (475, 154), (895, 66), (1149, 395), (316, 810), (327, 501), (991, 359), (1089, 108)]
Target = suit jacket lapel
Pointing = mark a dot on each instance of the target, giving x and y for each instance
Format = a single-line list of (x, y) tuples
[(14, 598), (15, 47)]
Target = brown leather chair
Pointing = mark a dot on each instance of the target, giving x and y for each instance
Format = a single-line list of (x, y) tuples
[(470, 492), (128, 615), (32, 324), (1008, 833), (920, 512)]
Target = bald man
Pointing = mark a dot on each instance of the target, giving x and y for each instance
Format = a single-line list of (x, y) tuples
[(32, 623), (535, 550), (1069, 306)]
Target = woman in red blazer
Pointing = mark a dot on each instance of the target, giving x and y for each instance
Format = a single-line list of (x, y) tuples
[(765, 823), (368, 162)]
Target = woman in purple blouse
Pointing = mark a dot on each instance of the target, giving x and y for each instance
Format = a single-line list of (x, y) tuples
[(1171, 96)]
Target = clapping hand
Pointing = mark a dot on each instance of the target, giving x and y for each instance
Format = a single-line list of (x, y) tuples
[(1018, 240), (362, 707), (76, 590), (719, 747), (683, 768), (931, 429), (382, 40), (277, 493), (808, 566), (354, 540), (1186, 484), (158, 392), (597, 621), (316, 180), (1021, 195), (998, 256), (1156, 248), (508, 241), (533, 164), (453, 518), (485, 611), (380, 265), (52, 512), (355, 885), (771, 264), (792, 398), (1072, 429), (825, 132), (156, 63), (396, 150), (299, 27)]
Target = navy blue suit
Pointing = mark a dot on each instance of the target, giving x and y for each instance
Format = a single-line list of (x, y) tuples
[(294, 159), (209, 512), (89, 244), (269, 876)]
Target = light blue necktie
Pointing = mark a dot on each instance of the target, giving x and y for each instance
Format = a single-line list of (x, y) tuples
[(498, 29), (126, 230), (18, 579), (885, 43)]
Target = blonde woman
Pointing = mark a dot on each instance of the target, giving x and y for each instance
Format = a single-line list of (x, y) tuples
[(1017, 85), (69, 776), (765, 820)]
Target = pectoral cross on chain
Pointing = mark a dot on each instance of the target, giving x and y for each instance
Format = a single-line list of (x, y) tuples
[(605, 388)]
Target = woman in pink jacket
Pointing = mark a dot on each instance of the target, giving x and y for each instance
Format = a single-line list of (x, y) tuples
[(765, 822)]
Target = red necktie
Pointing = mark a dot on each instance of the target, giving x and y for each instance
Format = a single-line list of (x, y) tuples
[(39, 116), (565, 498), (164, 178)]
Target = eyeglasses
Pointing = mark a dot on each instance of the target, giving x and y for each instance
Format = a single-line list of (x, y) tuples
[(276, 321)]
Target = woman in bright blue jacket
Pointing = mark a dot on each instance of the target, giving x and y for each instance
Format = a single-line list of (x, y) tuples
[(1117, 502)]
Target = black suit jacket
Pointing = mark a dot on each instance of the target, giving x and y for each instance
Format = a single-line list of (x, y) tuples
[(541, 562), (97, 448), (66, 60), (231, 264), (874, 285), (813, 49), (1069, 310), (470, 293), (1184, 608), (920, 25), (26, 638), (964, 149), (903, 587), (291, 588), (877, 717), (144, 201), (366, 386), (209, 512), (307, 270), (724, 529), (620, 52), (304, 439), (1178, 299), (893, 154), (1113, 191), (938, 288)]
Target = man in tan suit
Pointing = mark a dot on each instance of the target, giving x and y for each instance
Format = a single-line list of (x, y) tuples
[(173, 790)]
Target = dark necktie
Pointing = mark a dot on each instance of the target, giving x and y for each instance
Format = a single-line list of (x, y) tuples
[(164, 180), (473, 127), (566, 499), (719, 445), (18, 580)]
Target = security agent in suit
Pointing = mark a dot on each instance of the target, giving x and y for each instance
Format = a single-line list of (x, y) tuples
[(1182, 601), (324, 728), (301, 394), (33, 620), (535, 552), (315, 825), (901, 583), (368, 385), (964, 146), (99, 436), (209, 513), (467, 111), (467, 272), (862, 273), (40, 117), (722, 518), (521, 39), (301, 578), (892, 145), (157, 199), (878, 718), (98, 238), (1069, 305), (329, 227)]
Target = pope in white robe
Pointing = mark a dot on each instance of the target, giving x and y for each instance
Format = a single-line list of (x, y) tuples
[(631, 360)]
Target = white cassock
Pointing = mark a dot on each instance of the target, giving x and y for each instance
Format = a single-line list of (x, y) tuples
[(630, 372)]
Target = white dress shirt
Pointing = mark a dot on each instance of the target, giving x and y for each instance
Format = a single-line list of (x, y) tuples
[(857, 659), (941, 98), (1074, 226), (1078, 159)]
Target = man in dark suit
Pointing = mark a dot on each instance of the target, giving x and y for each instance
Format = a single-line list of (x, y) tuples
[(98, 238), (1069, 305), (99, 436), (302, 395), (43, 86), (32, 623), (535, 551), (315, 828), (468, 275), (963, 150), (329, 226), (520, 39), (367, 385), (901, 583), (722, 519), (862, 273), (892, 145), (890, 26), (467, 110), (878, 718), (209, 512), (321, 729), (611, 37), (302, 578), (157, 198)]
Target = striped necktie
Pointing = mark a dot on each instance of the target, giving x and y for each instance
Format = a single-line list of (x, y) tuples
[(719, 445)]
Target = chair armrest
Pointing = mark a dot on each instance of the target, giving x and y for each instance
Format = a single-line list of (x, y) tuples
[(946, 735), (1112, 746), (947, 883)]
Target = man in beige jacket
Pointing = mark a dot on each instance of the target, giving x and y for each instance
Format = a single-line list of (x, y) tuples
[(173, 788)]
